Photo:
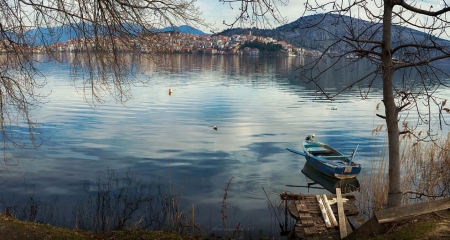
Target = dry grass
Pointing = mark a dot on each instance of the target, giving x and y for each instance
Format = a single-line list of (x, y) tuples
[(426, 170), (425, 173), (11, 228), (374, 187)]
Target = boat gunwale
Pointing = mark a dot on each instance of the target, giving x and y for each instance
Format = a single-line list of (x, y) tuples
[(323, 159)]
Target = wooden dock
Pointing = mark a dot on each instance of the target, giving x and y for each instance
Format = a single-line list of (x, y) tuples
[(320, 216), (336, 216)]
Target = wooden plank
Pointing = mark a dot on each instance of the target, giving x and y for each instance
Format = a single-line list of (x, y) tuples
[(342, 218), (356, 221), (300, 232), (404, 212), (368, 228), (310, 231), (301, 206), (323, 211), (333, 200), (349, 228), (350, 208), (307, 223), (292, 207), (305, 216), (329, 211)]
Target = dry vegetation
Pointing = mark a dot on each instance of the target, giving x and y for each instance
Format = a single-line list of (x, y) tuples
[(11, 228), (425, 174)]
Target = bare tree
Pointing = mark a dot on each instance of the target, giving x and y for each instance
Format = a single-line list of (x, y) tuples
[(102, 29), (400, 38), (259, 14)]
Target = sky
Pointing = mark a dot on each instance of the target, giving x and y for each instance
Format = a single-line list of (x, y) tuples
[(216, 12)]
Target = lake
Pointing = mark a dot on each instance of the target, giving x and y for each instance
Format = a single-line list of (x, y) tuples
[(258, 106)]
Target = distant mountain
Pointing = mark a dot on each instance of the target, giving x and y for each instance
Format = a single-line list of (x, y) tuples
[(47, 36), (183, 29), (327, 30), (51, 35)]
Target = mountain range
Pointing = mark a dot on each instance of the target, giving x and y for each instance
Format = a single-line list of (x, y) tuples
[(184, 29), (51, 35), (330, 27)]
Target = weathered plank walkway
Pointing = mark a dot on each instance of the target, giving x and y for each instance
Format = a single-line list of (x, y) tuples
[(305, 208)]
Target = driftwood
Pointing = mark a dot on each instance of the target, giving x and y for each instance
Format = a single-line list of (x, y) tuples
[(377, 224), (405, 212)]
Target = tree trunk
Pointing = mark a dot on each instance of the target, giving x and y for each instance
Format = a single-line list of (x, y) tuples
[(394, 192)]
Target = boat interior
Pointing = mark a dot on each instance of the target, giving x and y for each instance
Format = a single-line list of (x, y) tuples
[(328, 153), (321, 151)]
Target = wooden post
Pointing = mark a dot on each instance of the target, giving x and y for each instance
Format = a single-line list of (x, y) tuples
[(341, 214)]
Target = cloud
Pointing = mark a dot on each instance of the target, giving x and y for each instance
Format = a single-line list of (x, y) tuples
[(216, 12)]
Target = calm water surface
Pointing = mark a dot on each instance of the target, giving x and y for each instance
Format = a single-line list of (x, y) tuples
[(258, 105)]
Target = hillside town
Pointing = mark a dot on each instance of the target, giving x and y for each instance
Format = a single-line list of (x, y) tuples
[(170, 42)]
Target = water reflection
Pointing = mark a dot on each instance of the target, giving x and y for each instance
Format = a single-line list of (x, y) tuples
[(329, 183), (257, 104)]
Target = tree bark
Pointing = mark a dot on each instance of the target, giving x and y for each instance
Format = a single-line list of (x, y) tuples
[(394, 191)]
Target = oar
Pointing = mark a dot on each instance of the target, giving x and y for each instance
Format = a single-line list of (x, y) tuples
[(295, 151), (353, 155)]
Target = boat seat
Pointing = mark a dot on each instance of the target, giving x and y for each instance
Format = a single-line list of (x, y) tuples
[(335, 157), (342, 164), (318, 150)]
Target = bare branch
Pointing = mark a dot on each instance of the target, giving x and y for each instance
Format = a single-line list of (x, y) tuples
[(420, 194), (380, 116), (419, 10), (425, 61), (363, 40)]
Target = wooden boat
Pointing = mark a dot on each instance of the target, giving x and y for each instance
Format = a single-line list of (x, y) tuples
[(328, 160)]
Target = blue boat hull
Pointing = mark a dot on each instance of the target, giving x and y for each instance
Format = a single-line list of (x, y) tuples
[(340, 172)]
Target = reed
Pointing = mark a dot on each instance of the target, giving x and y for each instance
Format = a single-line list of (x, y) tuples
[(374, 186), (225, 224), (114, 201), (425, 173), (224, 205), (427, 170)]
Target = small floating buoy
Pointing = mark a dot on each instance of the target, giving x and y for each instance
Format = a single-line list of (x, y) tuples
[(170, 91), (333, 108), (215, 128)]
